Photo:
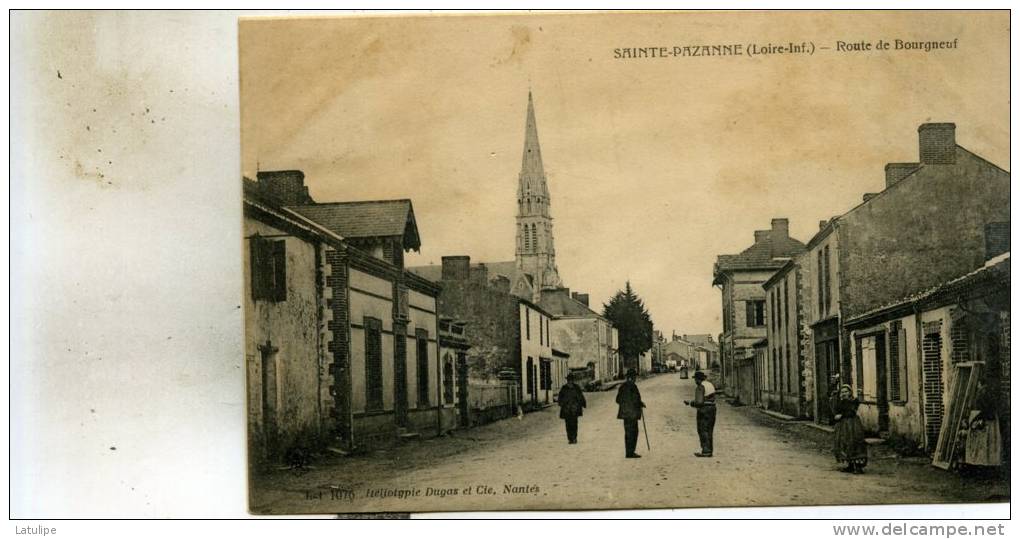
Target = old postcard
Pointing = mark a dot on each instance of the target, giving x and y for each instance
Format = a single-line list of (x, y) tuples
[(554, 261)]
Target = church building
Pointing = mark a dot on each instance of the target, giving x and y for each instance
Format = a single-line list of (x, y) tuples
[(534, 266)]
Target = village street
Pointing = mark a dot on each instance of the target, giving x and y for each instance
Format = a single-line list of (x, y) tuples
[(759, 461)]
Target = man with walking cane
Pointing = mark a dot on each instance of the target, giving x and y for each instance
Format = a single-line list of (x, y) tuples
[(704, 402), (629, 399)]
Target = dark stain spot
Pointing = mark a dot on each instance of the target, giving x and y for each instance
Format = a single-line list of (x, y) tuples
[(113, 448), (59, 76)]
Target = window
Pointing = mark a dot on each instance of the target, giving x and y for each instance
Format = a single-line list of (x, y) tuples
[(933, 389), (527, 323), (268, 269), (867, 360), (541, 332), (821, 285), (530, 376), (422, 338), (775, 370), (448, 379), (789, 370), (786, 311), (779, 305), (959, 340), (373, 364), (545, 375), (755, 313), (534, 237), (828, 280), (897, 362)]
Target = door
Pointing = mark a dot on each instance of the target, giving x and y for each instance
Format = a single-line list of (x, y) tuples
[(400, 374), (827, 366), (882, 381), (268, 354), (462, 389)]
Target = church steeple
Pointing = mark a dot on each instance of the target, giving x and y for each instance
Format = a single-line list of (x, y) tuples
[(535, 252), (531, 161)]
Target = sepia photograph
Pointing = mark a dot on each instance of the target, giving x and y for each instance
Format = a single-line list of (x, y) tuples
[(637, 260)]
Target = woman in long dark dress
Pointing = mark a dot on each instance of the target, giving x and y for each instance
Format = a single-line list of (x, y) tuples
[(849, 445)]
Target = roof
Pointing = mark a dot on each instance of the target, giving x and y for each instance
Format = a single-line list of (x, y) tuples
[(367, 219), (779, 274), (770, 252), (995, 269), (559, 353), (558, 303)]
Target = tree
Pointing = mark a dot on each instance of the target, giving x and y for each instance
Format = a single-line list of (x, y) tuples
[(628, 314)]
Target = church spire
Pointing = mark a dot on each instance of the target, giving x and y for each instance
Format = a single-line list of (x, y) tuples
[(531, 162), (536, 254)]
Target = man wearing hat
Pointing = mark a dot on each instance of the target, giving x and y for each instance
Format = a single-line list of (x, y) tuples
[(629, 399), (572, 404), (704, 402)]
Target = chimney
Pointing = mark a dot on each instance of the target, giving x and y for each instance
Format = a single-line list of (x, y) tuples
[(937, 143), (456, 268), (996, 239), (760, 235), (479, 274), (286, 186), (781, 228), (501, 283), (822, 223), (894, 172), (869, 196), (580, 298)]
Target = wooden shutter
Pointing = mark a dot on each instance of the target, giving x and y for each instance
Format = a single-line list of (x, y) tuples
[(259, 260), (279, 253), (749, 313)]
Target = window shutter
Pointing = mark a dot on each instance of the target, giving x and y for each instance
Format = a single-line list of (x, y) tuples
[(901, 353), (280, 270), (257, 249), (749, 313)]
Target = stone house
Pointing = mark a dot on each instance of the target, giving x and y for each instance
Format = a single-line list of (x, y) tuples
[(285, 333), (784, 364), (905, 353), (377, 369), (926, 227), (505, 331), (740, 278)]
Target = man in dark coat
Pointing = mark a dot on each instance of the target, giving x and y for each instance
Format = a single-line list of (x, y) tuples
[(572, 404), (629, 399)]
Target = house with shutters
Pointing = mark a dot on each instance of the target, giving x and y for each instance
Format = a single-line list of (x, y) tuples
[(376, 366), (740, 278), (931, 223), (908, 351)]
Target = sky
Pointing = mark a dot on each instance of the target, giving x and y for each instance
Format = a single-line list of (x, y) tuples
[(655, 165)]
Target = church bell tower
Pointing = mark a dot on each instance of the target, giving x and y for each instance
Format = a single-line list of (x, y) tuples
[(536, 255)]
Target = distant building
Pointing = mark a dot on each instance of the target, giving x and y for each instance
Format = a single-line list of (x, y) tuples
[(505, 331), (740, 277), (706, 348), (582, 333)]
